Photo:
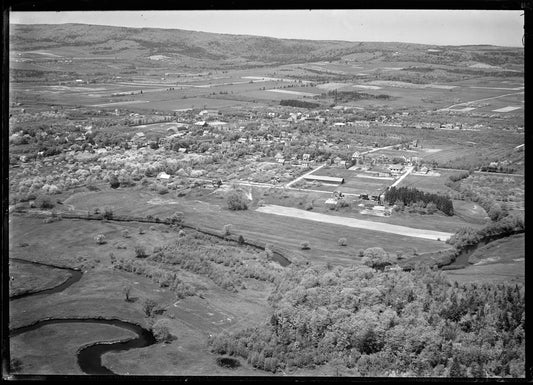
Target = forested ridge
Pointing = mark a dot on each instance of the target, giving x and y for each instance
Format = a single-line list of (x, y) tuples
[(386, 323)]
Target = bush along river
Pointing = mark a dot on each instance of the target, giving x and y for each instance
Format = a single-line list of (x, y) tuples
[(89, 357), (461, 260)]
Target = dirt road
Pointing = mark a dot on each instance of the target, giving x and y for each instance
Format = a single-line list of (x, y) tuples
[(356, 223)]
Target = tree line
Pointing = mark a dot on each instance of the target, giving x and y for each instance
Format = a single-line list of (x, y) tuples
[(409, 195)]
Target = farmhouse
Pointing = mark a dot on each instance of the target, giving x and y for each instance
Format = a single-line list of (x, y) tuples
[(325, 179)]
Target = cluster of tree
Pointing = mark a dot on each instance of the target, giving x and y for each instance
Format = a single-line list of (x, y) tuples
[(164, 277), (236, 200), (411, 195), (391, 323), (495, 210), (223, 262), (350, 96), (298, 103), (459, 176), (467, 236)]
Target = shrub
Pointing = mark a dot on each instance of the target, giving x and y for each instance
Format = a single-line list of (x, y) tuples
[(161, 330), (100, 239), (113, 181), (236, 201), (342, 242), (15, 365), (108, 213), (44, 202), (140, 252), (141, 230), (241, 239), (126, 290), (148, 306), (376, 257), (305, 245), (227, 229), (309, 206), (126, 233)]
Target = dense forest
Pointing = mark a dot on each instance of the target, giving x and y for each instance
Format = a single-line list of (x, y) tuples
[(367, 322)]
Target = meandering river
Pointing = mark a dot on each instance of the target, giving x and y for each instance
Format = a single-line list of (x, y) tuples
[(89, 357)]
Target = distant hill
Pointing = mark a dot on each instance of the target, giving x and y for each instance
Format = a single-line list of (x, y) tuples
[(211, 49)]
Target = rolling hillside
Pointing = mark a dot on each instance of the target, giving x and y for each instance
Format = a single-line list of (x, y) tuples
[(210, 49)]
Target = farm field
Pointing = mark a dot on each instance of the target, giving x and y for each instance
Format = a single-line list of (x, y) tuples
[(60, 357), (192, 319), (355, 181), (202, 247), (490, 273), (429, 182), (258, 226), (30, 278), (507, 250), (400, 230)]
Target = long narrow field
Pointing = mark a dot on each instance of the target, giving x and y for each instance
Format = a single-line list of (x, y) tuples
[(356, 223)]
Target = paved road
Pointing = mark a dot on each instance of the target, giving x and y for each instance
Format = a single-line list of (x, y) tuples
[(409, 170), (304, 175), (356, 223)]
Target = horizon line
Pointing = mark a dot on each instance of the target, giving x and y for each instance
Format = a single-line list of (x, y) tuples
[(272, 37)]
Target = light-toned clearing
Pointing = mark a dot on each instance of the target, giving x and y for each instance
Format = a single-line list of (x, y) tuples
[(432, 150), (466, 109), (365, 87), (268, 79), (159, 201), (506, 109), (374, 177), (158, 57), (117, 103), (482, 65), (355, 223), (77, 89), (43, 53), (500, 88), (333, 86), (487, 260), (294, 92), (394, 83)]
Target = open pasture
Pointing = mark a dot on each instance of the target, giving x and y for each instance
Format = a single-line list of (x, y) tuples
[(505, 189), (26, 277), (506, 250), (99, 294), (210, 212), (430, 182), (355, 181), (490, 273), (41, 354)]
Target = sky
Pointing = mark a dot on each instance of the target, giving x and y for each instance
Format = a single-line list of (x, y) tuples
[(439, 27)]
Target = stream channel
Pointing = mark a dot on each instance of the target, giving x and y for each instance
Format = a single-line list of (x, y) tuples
[(89, 357)]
